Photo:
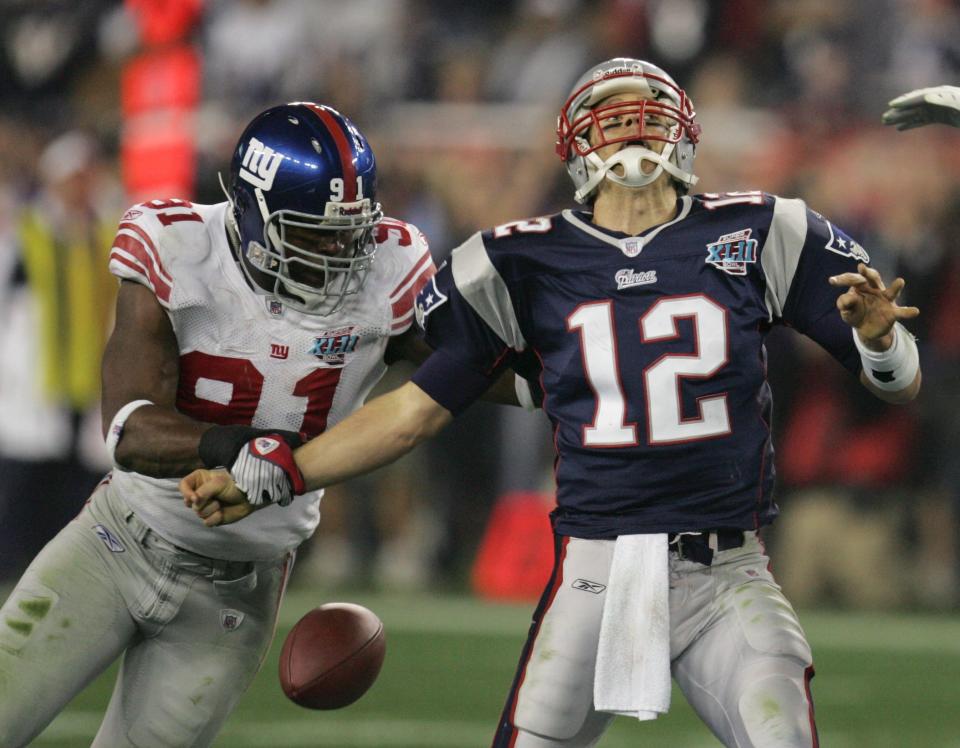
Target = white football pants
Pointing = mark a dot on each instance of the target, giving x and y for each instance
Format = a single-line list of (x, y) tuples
[(192, 631), (737, 652)]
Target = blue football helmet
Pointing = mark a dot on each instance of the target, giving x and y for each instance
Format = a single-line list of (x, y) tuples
[(302, 194)]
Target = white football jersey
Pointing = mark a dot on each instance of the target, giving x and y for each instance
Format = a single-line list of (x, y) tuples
[(248, 359)]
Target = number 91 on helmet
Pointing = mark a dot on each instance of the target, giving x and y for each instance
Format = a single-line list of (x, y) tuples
[(302, 192)]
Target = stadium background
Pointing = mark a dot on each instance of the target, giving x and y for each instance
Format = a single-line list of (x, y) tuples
[(105, 104)]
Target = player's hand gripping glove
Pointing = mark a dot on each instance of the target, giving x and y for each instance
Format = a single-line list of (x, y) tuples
[(923, 107), (260, 461)]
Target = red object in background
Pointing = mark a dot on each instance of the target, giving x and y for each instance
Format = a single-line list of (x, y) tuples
[(821, 444), (165, 78), (945, 332), (164, 21), (160, 90), (515, 558)]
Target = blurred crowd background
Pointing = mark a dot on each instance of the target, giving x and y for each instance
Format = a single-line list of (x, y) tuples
[(103, 104)]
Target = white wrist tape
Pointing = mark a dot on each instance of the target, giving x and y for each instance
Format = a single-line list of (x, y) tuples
[(116, 427), (892, 369), (524, 395)]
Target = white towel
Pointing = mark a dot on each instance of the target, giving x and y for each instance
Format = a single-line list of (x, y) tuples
[(633, 655)]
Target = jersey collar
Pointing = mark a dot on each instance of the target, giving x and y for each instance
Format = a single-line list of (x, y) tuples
[(615, 237)]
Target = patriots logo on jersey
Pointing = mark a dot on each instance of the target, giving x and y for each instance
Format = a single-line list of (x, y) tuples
[(628, 277), (731, 253), (841, 244), (332, 347), (428, 299)]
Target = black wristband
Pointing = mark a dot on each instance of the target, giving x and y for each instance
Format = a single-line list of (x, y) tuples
[(220, 445)]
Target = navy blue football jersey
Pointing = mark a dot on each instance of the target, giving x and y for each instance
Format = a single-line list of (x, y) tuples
[(650, 349)]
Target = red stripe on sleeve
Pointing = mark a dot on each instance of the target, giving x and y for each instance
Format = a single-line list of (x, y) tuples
[(162, 294), (402, 306), (151, 248), (401, 287), (141, 263)]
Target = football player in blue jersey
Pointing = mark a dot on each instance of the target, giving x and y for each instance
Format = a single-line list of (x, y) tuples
[(644, 316)]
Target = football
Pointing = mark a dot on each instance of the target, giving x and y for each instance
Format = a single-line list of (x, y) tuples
[(332, 656)]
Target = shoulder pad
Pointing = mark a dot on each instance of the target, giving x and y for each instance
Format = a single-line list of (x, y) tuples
[(154, 240), (517, 230), (411, 266)]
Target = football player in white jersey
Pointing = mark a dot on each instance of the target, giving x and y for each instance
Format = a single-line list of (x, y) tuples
[(272, 315), (648, 312)]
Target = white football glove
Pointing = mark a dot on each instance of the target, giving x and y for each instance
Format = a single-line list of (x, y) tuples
[(923, 107), (266, 471)]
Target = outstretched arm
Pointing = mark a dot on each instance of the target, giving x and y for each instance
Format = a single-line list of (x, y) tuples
[(891, 370), (381, 431), (923, 107)]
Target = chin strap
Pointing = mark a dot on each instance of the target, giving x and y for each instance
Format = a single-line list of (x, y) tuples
[(631, 158)]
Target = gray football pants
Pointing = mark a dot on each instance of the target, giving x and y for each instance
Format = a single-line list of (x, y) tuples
[(193, 631), (737, 652)]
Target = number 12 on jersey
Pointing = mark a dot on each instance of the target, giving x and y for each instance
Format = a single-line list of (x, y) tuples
[(661, 379)]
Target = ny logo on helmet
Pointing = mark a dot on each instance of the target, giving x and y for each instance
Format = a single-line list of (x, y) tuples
[(260, 164)]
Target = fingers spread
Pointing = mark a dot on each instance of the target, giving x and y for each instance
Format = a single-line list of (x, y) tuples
[(906, 312), (873, 276), (847, 279), (849, 301)]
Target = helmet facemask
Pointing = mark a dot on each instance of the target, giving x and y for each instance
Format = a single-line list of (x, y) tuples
[(311, 272), (662, 113)]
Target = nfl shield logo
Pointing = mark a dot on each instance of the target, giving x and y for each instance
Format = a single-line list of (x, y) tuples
[(631, 246), (230, 619), (276, 308)]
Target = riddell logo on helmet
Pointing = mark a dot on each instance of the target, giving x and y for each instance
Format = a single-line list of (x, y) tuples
[(344, 209), (619, 70)]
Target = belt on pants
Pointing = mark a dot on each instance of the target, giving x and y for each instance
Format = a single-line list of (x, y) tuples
[(700, 546), (212, 568)]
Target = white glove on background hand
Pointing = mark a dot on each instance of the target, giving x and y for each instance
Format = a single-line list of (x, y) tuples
[(266, 471), (923, 107)]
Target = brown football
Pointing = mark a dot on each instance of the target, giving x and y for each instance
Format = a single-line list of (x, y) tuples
[(332, 656)]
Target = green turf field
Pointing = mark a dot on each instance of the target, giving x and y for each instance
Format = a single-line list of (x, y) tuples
[(882, 680)]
